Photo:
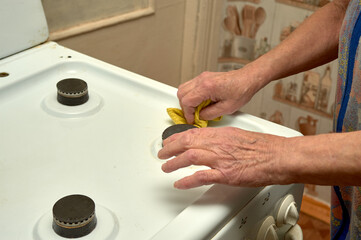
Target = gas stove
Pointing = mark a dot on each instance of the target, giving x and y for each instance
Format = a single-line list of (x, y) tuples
[(80, 160)]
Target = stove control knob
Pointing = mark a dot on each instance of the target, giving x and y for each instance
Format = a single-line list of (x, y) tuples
[(287, 213), (295, 233), (267, 231)]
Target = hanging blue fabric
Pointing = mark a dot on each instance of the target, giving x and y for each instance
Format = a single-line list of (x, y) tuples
[(344, 228), (345, 223), (350, 66)]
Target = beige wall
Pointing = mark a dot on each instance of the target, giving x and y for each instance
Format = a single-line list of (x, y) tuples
[(151, 45), (65, 14)]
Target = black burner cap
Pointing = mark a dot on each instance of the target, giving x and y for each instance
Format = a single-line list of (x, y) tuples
[(72, 91), (74, 216), (176, 129)]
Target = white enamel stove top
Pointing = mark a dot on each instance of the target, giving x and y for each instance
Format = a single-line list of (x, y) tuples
[(104, 149)]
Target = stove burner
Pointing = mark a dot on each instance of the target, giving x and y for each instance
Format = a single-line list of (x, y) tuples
[(72, 91), (176, 129), (74, 216)]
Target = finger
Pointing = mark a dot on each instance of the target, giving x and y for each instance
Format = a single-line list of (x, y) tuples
[(185, 88), (190, 157), (180, 142), (168, 152), (193, 138), (172, 149), (170, 139), (200, 178), (174, 145), (173, 138), (214, 110), (191, 95), (188, 111), (190, 102)]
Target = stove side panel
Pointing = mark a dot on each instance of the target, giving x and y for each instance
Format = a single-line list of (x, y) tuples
[(23, 25)]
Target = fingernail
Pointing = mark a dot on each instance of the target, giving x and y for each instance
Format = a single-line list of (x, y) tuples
[(160, 155), (178, 186), (164, 168)]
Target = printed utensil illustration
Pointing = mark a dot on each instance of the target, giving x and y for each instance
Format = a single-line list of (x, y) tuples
[(232, 20), (260, 17), (227, 24), (230, 25), (307, 126), (277, 117), (235, 18), (248, 17)]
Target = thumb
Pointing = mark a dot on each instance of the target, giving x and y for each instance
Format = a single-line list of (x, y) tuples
[(213, 111)]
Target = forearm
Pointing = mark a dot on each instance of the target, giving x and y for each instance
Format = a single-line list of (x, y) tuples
[(327, 159), (313, 43)]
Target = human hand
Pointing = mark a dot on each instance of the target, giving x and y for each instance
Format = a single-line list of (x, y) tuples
[(228, 92), (235, 157)]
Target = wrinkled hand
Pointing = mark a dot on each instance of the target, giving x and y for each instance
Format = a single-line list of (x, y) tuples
[(235, 157), (229, 91)]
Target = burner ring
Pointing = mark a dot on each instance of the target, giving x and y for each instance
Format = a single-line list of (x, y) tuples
[(107, 226), (74, 216), (75, 224), (72, 91), (51, 106)]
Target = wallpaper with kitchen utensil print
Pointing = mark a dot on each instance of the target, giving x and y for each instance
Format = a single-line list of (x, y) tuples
[(242, 25), (303, 101)]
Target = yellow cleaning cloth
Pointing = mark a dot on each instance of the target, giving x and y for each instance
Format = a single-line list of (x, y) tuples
[(178, 117)]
